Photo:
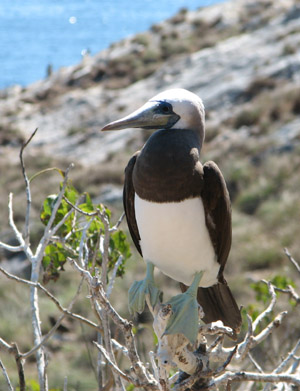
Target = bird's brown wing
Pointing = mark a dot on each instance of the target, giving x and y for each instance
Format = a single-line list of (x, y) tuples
[(217, 301), (217, 208), (128, 201)]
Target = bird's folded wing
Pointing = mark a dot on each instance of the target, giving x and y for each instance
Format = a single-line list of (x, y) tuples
[(217, 208), (128, 201)]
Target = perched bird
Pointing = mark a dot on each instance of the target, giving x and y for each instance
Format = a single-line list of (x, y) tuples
[(178, 213)]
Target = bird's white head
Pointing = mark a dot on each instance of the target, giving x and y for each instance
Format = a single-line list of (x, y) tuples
[(171, 109)]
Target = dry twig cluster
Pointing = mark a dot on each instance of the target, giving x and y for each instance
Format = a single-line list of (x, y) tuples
[(210, 366)]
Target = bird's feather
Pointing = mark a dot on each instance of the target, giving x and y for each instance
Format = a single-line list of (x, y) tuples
[(128, 202)]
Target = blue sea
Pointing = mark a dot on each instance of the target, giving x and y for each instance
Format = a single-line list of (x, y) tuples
[(36, 33)]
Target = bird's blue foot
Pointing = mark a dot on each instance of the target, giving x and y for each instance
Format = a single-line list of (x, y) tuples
[(139, 290), (184, 318)]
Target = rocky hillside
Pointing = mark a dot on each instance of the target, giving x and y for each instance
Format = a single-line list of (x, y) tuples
[(242, 57)]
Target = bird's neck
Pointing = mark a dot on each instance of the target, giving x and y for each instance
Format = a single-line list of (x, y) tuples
[(168, 168)]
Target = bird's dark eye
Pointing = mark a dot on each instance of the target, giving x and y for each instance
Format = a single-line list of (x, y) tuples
[(166, 108)]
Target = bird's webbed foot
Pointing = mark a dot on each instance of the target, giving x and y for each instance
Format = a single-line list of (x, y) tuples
[(185, 312), (139, 290)]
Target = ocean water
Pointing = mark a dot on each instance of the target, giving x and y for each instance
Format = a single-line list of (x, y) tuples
[(36, 33)]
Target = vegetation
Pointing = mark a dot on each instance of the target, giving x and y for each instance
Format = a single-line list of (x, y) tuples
[(82, 254), (255, 144)]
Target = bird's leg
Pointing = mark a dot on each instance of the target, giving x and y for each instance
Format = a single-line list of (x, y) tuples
[(139, 290), (184, 318)]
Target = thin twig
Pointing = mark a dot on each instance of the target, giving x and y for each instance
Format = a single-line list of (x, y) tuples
[(222, 368), (291, 292), (89, 214), (22, 245), (117, 346), (10, 387), (252, 376), (48, 232), (65, 384), (215, 328), (113, 276), (270, 307), (120, 322), (255, 363), (81, 257), (290, 356), (269, 329), (104, 246), (294, 262), (55, 327), (94, 259), (19, 362), (27, 186), (217, 342), (53, 298), (245, 346), (114, 367), (116, 226)]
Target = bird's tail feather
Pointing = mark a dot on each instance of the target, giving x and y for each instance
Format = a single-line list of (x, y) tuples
[(218, 303)]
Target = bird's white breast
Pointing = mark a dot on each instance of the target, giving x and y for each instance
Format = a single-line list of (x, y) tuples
[(174, 238)]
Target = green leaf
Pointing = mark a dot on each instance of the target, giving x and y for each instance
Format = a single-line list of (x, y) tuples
[(118, 246), (261, 290), (53, 261), (47, 208), (71, 193), (282, 282)]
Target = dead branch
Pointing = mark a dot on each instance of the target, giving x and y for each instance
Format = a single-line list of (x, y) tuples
[(5, 374), (292, 260), (14, 350), (126, 328), (66, 311)]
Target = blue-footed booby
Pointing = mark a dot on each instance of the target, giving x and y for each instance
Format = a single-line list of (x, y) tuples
[(178, 213)]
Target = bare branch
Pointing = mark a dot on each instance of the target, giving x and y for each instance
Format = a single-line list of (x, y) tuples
[(113, 276), (19, 361), (245, 346), (13, 349), (5, 374), (119, 347), (269, 329), (53, 298), (114, 367), (89, 214), (13, 249), (27, 186), (251, 376), (55, 327), (61, 222), (291, 292), (47, 231), (82, 244), (22, 245), (116, 226), (121, 323), (222, 368), (216, 328), (270, 307), (293, 261), (104, 245), (255, 363), (289, 357)]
